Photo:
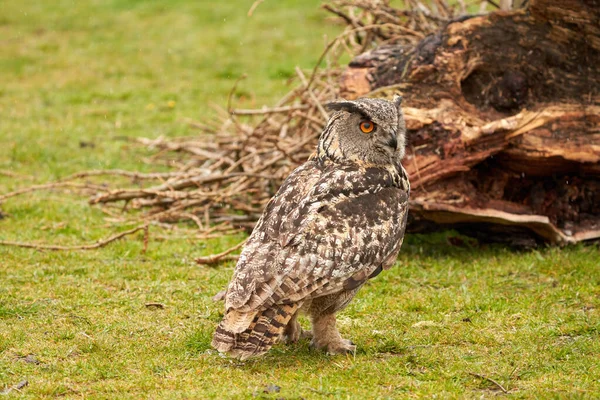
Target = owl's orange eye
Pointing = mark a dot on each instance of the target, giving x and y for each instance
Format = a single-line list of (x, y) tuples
[(367, 126)]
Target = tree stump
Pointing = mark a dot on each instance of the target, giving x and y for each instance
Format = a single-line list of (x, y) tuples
[(503, 118)]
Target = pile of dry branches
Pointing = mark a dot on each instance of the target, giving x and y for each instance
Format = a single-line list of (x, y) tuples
[(227, 173)]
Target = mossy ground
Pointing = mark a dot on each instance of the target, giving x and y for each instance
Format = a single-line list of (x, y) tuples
[(76, 76)]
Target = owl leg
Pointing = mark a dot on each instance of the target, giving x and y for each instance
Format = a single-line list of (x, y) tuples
[(294, 332), (327, 337)]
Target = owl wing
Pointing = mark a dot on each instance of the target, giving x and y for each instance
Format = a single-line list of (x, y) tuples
[(261, 259), (341, 227)]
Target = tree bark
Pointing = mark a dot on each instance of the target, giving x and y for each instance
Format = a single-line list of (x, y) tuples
[(503, 118)]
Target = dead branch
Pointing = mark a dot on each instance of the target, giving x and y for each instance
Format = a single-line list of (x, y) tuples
[(11, 174), (93, 246), (50, 186), (266, 111), (119, 172), (223, 256), (499, 386), (253, 7)]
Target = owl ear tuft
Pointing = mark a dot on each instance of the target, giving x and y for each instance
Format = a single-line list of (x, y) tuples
[(348, 106), (397, 100)]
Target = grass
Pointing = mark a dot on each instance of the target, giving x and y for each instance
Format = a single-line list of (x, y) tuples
[(445, 322)]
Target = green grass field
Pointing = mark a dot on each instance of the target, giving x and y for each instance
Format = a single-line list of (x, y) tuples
[(447, 322)]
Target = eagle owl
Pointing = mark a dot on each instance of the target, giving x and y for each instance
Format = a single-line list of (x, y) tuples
[(337, 221)]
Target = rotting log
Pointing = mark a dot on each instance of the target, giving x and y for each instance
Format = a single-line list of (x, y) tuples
[(503, 118)]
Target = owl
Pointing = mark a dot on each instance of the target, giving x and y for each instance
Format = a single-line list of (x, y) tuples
[(337, 221)]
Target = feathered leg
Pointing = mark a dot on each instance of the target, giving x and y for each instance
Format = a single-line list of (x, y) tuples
[(327, 337), (322, 312), (294, 332)]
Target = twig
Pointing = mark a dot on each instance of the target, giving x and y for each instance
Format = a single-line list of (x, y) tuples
[(492, 2), (155, 305), (120, 172), (53, 185), (229, 99), (93, 246), (208, 261), (14, 174), (416, 166), (146, 238), (172, 186), (344, 34), (489, 380), (311, 94), (194, 218), (265, 111), (349, 20), (16, 387), (253, 8), (223, 256)]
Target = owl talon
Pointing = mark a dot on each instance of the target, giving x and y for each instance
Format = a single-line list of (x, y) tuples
[(343, 347), (339, 347), (295, 337)]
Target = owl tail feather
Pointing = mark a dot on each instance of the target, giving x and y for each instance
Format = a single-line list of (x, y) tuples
[(262, 333)]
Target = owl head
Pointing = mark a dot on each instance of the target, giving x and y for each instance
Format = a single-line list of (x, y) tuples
[(370, 130)]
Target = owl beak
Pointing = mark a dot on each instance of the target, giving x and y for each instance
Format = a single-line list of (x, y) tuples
[(393, 142)]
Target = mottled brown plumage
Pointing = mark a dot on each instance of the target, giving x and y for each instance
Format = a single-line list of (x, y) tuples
[(337, 221)]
